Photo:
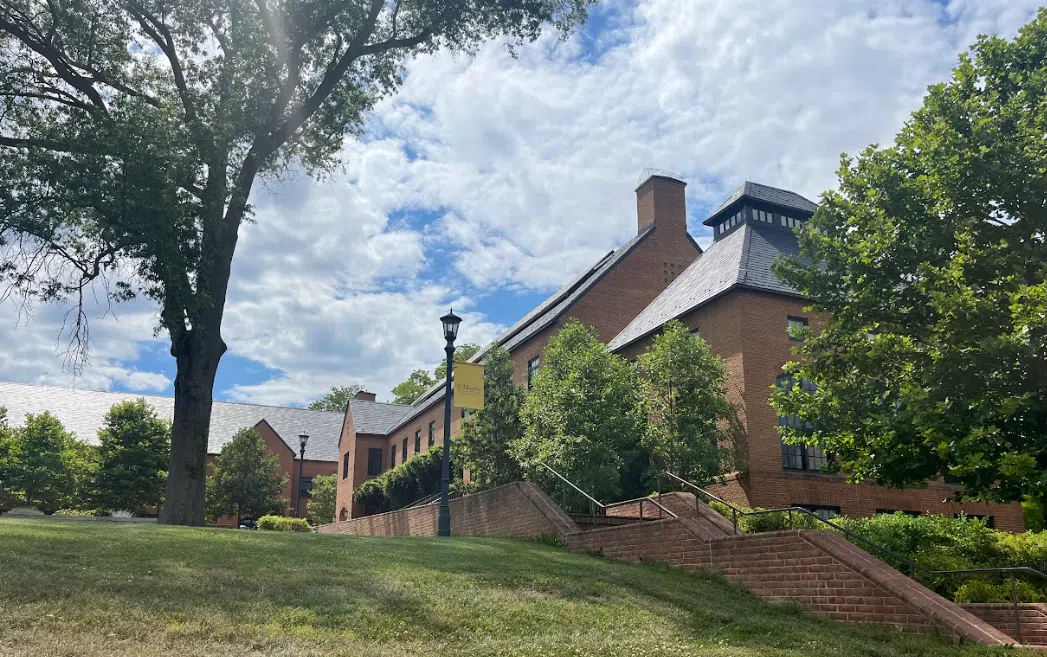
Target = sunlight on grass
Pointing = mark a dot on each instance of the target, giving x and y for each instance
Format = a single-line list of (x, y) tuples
[(103, 589)]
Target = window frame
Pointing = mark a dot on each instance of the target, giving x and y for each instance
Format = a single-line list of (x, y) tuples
[(432, 433), (345, 465), (303, 491), (418, 441), (801, 454), (789, 320), (392, 457), (404, 451), (373, 452), (534, 365)]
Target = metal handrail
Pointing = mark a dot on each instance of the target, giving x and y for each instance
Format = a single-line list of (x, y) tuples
[(913, 565), (422, 501), (597, 504)]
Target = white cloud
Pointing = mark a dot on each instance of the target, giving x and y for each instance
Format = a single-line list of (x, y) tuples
[(488, 173)]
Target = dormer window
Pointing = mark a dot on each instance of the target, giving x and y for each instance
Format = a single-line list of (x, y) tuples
[(764, 216), (790, 222)]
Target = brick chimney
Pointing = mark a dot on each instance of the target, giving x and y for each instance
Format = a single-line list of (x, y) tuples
[(660, 200), (363, 395)]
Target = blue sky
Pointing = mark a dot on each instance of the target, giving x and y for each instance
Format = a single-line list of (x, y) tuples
[(487, 182)]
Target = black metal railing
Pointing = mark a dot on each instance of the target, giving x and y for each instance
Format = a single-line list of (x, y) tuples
[(1011, 572), (597, 508)]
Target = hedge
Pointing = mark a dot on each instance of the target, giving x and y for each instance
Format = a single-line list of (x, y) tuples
[(284, 524), (406, 483), (938, 543)]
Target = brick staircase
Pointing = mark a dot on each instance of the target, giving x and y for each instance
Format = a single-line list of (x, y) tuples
[(1001, 616)]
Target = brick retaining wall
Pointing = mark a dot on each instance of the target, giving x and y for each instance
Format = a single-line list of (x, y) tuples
[(1001, 616), (516, 510)]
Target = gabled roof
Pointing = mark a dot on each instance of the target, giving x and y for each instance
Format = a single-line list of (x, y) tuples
[(742, 258), (541, 317), (83, 411), (375, 417), (780, 197)]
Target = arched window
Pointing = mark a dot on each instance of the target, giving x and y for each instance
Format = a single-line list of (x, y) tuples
[(799, 456)]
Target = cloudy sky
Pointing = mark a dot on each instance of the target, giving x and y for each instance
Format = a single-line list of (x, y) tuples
[(488, 181)]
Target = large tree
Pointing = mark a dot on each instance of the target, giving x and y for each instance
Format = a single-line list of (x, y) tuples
[(135, 446), (483, 448), (47, 467), (335, 399), (930, 261), (245, 480), (132, 133), (690, 419), (583, 416), (322, 499)]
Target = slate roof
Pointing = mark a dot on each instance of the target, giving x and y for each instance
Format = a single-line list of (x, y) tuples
[(742, 258), (541, 317), (83, 411), (767, 194), (375, 417)]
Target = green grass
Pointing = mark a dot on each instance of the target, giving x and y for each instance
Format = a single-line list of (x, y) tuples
[(77, 588)]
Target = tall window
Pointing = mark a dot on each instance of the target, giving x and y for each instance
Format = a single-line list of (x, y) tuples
[(799, 457), (374, 461), (392, 456), (795, 326), (533, 366), (404, 459), (305, 487), (432, 433), (345, 465), (417, 441)]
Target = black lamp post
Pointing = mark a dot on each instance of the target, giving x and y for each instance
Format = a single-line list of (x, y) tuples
[(450, 323), (302, 440)]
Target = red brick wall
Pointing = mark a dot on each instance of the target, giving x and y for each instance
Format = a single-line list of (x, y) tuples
[(517, 510), (1001, 616)]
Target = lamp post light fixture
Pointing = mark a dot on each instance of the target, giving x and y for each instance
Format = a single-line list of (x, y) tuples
[(303, 438), (450, 324)]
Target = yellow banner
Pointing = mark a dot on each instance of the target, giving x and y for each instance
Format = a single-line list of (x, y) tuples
[(469, 386)]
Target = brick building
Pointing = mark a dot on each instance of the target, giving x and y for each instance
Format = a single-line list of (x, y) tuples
[(82, 412), (730, 296), (733, 300), (607, 296)]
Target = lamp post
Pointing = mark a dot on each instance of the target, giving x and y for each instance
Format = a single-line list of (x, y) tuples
[(302, 440), (450, 324)]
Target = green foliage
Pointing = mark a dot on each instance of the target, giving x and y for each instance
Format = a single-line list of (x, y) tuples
[(7, 499), (245, 481), (407, 482), (133, 133), (47, 467), (483, 448), (336, 399), (322, 499), (134, 451), (1034, 514), (583, 417), (930, 263), (406, 392), (283, 524), (462, 354), (980, 590), (686, 402), (552, 540), (769, 522), (80, 513)]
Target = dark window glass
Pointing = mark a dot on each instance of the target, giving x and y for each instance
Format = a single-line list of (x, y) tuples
[(822, 511), (404, 459), (432, 433), (345, 465), (305, 487), (392, 456), (800, 457), (417, 441), (374, 461), (533, 366), (795, 326)]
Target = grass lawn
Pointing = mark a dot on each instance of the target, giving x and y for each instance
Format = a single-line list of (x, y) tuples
[(92, 589)]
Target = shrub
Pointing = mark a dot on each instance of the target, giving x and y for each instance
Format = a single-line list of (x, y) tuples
[(284, 524), (407, 482), (981, 590), (80, 513)]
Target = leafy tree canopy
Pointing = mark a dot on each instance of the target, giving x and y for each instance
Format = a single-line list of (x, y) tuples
[(132, 133), (483, 447), (583, 416), (932, 265), (336, 399), (688, 432), (244, 480), (47, 467), (322, 499), (133, 454)]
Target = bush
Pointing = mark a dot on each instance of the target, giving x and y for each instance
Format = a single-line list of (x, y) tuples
[(407, 482), (284, 524), (769, 522), (81, 513), (981, 590)]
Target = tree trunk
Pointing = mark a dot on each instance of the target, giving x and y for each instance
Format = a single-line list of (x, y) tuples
[(197, 354)]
